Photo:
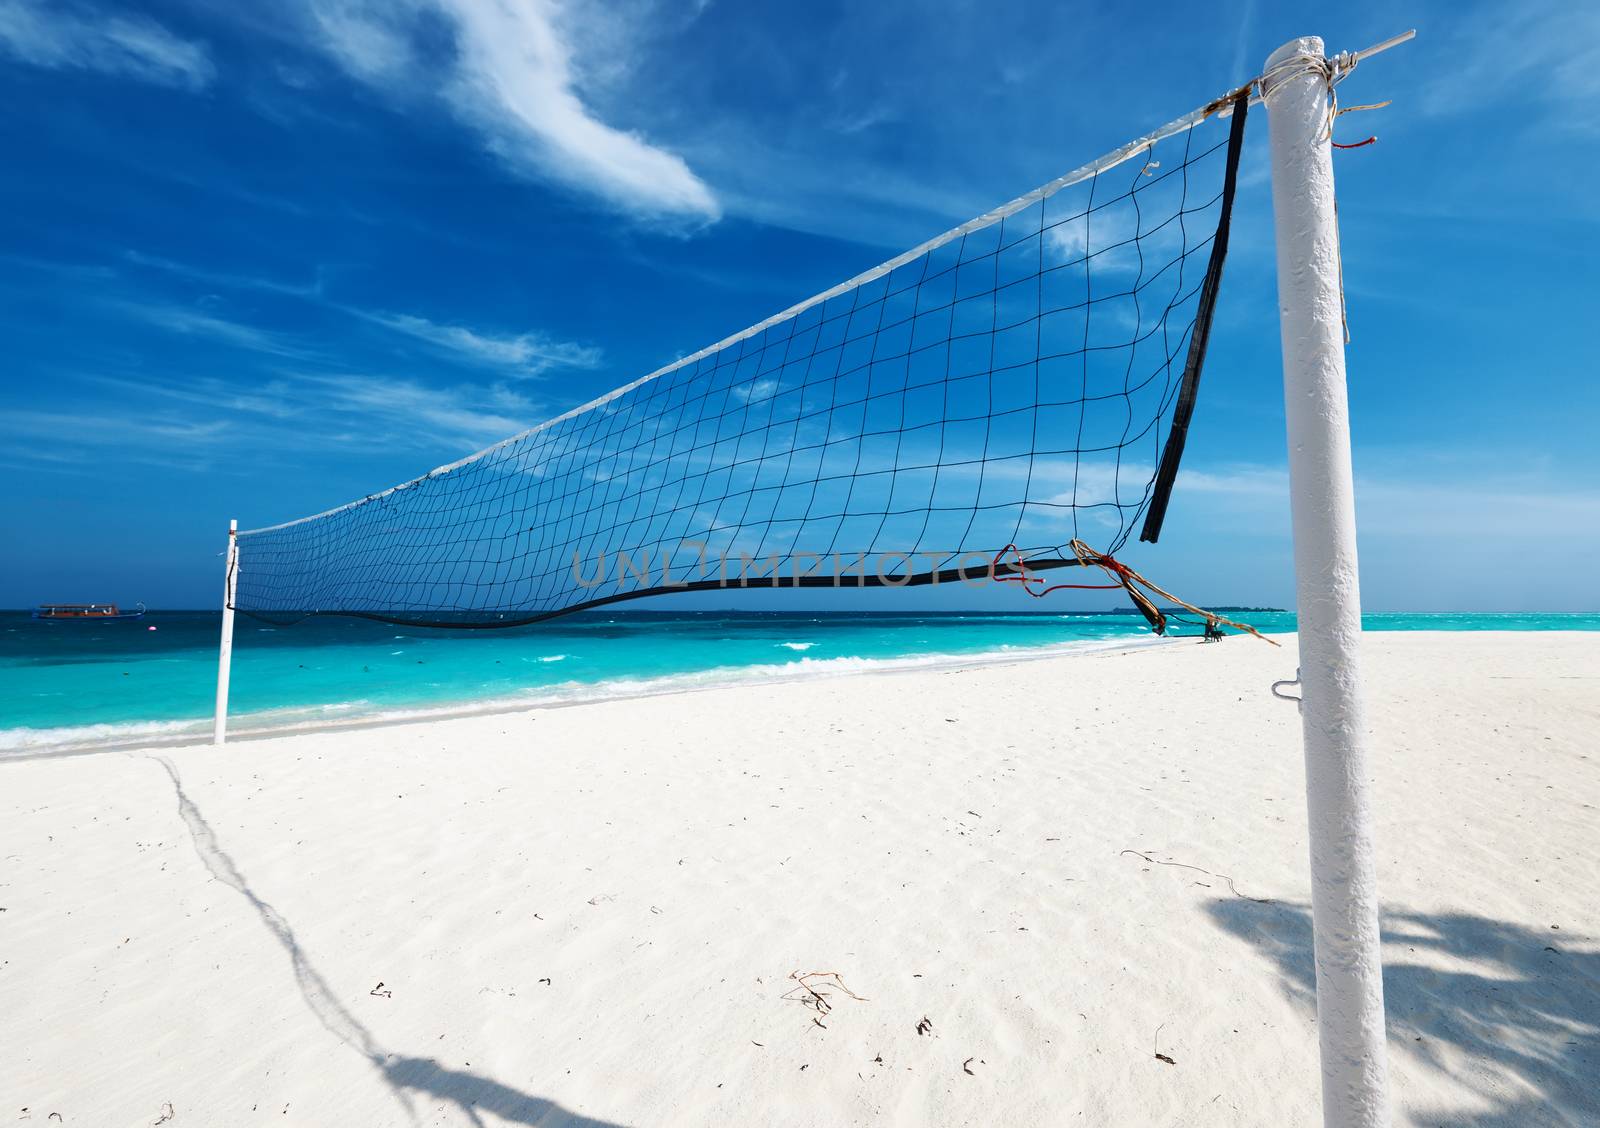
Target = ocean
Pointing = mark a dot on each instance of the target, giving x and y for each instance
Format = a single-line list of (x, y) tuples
[(65, 685)]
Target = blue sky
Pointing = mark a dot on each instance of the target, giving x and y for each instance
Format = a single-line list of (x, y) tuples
[(259, 260)]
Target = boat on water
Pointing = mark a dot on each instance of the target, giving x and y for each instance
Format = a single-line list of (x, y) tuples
[(97, 612)]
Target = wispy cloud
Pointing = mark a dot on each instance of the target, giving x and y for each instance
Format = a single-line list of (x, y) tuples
[(147, 428), (190, 322), (369, 39), (271, 399), (1270, 482), (1241, 43), (1538, 51), (526, 354), (512, 77), (1455, 508), (70, 441), (1117, 237), (465, 415), (344, 406), (192, 424), (64, 36), (1534, 507), (754, 391), (224, 278), (356, 407)]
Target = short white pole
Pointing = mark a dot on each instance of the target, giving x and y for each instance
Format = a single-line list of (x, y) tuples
[(219, 726), (1344, 897)]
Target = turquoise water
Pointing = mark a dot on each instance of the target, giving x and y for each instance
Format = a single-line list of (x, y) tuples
[(75, 683)]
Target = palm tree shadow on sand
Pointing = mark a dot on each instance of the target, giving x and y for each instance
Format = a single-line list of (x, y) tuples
[(409, 1077), (1508, 1011)]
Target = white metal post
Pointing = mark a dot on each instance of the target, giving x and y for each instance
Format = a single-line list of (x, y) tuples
[(1344, 899), (219, 726)]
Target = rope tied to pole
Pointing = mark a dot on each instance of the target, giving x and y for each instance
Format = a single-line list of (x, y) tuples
[(1140, 590), (1332, 71)]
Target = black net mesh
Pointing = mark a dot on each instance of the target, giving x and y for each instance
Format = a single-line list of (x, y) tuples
[(1016, 385)]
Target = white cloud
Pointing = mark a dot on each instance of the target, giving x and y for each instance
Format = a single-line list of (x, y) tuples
[(207, 422), (197, 323), (363, 37), (273, 399), (1545, 52), (460, 416), (1115, 237), (1406, 507), (529, 354), (63, 37), (512, 77), (1270, 482), (1069, 240), (310, 292), (70, 441), (157, 429), (754, 391)]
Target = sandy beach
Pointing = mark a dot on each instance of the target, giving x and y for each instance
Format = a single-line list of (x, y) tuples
[(1069, 891)]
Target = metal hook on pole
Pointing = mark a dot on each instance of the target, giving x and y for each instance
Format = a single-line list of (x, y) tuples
[(1285, 683)]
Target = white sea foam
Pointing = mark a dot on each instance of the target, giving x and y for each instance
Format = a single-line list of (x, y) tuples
[(797, 645), (800, 669), (286, 721), (554, 658), (78, 736)]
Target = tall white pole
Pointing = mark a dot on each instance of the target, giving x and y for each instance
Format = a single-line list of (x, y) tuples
[(219, 725), (1344, 898)]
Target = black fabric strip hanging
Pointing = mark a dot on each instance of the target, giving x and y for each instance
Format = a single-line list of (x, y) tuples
[(1167, 474)]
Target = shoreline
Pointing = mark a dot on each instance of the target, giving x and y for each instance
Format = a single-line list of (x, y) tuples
[(60, 704), (73, 741)]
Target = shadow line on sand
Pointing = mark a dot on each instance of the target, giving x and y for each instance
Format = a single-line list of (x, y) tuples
[(1511, 1012), (470, 1092)]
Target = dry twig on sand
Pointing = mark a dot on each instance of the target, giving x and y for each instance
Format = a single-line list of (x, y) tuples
[(1197, 869), (1156, 1048), (814, 989)]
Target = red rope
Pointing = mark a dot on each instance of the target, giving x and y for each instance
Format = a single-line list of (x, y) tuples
[(1024, 577), (1139, 589), (1356, 144)]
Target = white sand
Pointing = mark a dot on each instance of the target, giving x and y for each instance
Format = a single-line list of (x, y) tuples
[(590, 914)]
